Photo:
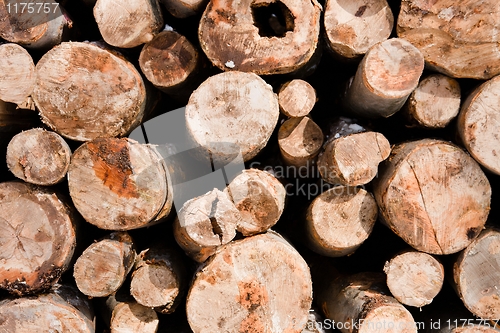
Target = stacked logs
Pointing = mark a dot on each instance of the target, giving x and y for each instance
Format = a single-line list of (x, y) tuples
[(197, 165)]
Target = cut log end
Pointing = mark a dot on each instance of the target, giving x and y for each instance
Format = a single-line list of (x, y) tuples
[(414, 278), (296, 98), (38, 157), (18, 73), (339, 220), (129, 316)]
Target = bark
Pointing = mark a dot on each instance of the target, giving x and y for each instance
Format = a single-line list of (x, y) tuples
[(39, 157), (83, 92), (414, 278), (37, 237), (184, 8), (353, 27), (257, 284), (18, 74), (119, 184), (339, 220), (243, 36), (386, 76), (296, 98), (433, 195), (435, 102), (458, 39), (132, 23), (102, 268)]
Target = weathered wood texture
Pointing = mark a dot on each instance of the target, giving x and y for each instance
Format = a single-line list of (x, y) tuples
[(126, 315), (435, 102), (18, 74), (477, 124), (386, 76), (235, 108), (130, 24), (476, 275), (296, 98), (433, 195), (37, 237), (38, 156), (362, 300), (83, 92), (459, 39), (233, 35), (119, 184), (184, 8), (353, 27), (414, 278), (260, 199), (339, 220), (236, 291), (102, 268), (159, 279), (300, 141), (353, 159)]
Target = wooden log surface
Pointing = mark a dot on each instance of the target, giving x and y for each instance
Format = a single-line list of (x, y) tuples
[(414, 278), (184, 8), (132, 23), (352, 159), (477, 124), (456, 38), (102, 268), (339, 220), (260, 199), (362, 300), (38, 156), (243, 36), (37, 237), (476, 274), (159, 279), (126, 315), (296, 98), (119, 184), (257, 297), (386, 76), (353, 27), (435, 102), (433, 195), (233, 107), (83, 91), (18, 73)]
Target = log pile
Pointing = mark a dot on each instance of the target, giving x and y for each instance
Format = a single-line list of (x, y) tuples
[(264, 166)]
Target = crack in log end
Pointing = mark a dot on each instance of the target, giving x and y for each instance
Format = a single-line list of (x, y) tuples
[(272, 19), (216, 228), (361, 11)]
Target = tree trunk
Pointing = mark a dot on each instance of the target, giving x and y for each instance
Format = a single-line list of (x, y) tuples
[(386, 76), (296, 98), (476, 273), (477, 125), (353, 27), (433, 195), (84, 92), (205, 223), (456, 38), (37, 238), (260, 199), (353, 159), (300, 141), (36, 30), (126, 315), (245, 36), (359, 303), (339, 220), (102, 268), (119, 184), (38, 156), (184, 8), (132, 23), (435, 102), (414, 278), (54, 311), (245, 114), (18, 74), (159, 279), (257, 284)]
